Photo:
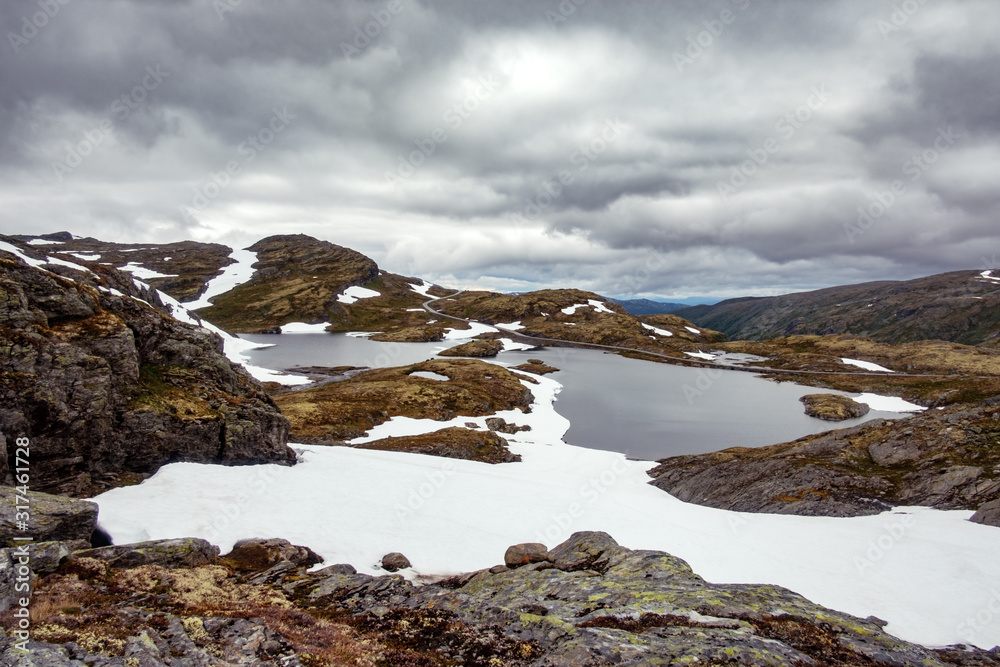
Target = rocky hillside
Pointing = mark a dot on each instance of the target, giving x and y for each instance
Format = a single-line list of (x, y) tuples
[(292, 278), (961, 306), (588, 602), (947, 458), (107, 387), (186, 266), (648, 307), (579, 316)]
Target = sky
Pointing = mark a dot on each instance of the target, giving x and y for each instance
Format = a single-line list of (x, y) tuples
[(634, 148)]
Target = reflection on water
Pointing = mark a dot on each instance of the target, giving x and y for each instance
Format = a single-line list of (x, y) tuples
[(644, 409)]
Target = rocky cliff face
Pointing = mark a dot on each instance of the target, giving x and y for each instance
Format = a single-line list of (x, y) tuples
[(948, 459), (108, 388)]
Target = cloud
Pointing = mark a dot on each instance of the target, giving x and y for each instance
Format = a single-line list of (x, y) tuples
[(471, 142)]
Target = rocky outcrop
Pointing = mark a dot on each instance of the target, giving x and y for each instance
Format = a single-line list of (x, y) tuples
[(297, 279), (948, 459), (588, 602), (452, 443), (339, 411), (52, 518), (536, 367), (107, 387), (476, 348), (833, 407), (988, 514), (186, 552)]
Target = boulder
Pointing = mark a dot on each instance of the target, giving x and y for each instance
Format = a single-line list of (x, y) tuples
[(395, 562), (258, 555), (587, 550), (988, 514), (52, 518), (500, 425), (525, 554), (179, 553), (833, 407)]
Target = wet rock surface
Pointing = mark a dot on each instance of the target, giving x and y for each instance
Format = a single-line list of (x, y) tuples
[(948, 459)]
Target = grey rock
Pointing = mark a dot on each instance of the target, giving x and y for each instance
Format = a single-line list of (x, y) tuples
[(586, 551), (53, 518), (525, 554), (395, 562), (988, 514), (258, 555), (500, 425), (599, 604), (185, 552)]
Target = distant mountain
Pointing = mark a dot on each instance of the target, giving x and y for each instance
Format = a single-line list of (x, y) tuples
[(961, 307), (648, 307)]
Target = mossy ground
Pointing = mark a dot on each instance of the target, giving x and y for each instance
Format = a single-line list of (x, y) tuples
[(348, 409)]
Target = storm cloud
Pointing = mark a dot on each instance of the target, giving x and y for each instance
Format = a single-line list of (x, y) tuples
[(719, 147)]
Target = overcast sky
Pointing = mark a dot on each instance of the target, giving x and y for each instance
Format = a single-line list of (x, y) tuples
[(700, 147)]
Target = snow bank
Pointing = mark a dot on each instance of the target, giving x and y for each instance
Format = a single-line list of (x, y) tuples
[(422, 288), (888, 403), (142, 273), (513, 326), (475, 330), (658, 332), (354, 293), (303, 328), (598, 306), (232, 276), (867, 365)]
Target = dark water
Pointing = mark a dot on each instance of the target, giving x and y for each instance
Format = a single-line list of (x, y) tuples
[(644, 409)]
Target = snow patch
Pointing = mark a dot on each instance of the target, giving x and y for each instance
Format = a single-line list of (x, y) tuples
[(476, 329), (888, 403), (303, 328), (143, 273), (43, 242), (86, 258), (658, 332), (509, 345), (231, 277), (867, 365), (598, 306), (354, 293), (693, 330), (701, 355), (422, 288), (988, 275)]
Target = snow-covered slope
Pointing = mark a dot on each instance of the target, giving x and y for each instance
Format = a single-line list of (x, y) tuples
[(925, 571)]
